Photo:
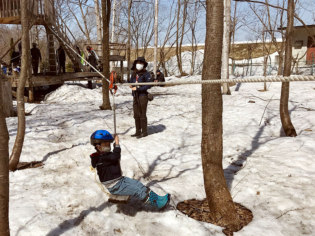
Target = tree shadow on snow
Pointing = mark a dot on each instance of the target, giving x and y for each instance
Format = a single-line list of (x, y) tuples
[(237, 165), (71, 223), (152, 129), (61, 150), (168, 176)]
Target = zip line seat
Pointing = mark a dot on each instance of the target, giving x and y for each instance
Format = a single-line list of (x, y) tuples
[(118, 198)]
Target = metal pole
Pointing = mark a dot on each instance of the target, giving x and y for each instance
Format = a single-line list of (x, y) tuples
[(114, 110)]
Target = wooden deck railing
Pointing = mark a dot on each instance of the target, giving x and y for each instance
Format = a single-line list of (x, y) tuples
[(42, 8)]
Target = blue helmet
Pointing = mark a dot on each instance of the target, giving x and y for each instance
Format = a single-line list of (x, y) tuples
[(101, 136)]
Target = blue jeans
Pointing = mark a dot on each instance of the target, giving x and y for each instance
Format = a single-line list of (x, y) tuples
[(129, 187)]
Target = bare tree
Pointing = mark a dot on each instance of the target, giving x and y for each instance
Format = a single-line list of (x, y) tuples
[(219, 198), (156, 17), (169, 34), (17, 148), (114, 21), (106, 9), (193, 16), (129, 39), (98, 22), (265, 19), (86, 11), (181, 22), (142, 26), (226, 46), (113, 38), (285, 88)]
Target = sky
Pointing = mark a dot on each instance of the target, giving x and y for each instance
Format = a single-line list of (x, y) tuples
[(247, 21), (304, 9), (248, 25)]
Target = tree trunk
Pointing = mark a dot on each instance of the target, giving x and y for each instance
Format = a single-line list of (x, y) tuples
[(219, 199), (129, 41), (226, 46), (106, 5), (6, 96), (156, 17), (285, 88), (265, 71), (193, 51), (280, 66), (4, 171), (98, 23), (233, 35), (178, 56), (265, 58), (112, 40), (86, 28), (17, 148)]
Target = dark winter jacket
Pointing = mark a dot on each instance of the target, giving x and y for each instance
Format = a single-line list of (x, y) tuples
[(35, 52), (93, 58), (143, 76), (61, 55), (160, 77), (107, 164), (15, 58)]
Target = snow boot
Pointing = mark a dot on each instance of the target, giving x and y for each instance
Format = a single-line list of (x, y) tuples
[(138, 128), (144, 127), (159, 202)]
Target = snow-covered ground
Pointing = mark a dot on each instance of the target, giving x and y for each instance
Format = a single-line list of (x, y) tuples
[(274, 177)]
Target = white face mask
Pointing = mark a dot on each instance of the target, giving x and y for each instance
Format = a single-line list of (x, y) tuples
[(139, 66), (104, 149)]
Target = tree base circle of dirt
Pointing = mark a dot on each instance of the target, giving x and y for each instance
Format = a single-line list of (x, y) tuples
[(199, 210)]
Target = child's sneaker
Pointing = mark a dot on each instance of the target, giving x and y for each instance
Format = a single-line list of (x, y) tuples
[(157, 201)]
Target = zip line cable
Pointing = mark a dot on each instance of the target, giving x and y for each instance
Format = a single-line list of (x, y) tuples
[(250, 79)]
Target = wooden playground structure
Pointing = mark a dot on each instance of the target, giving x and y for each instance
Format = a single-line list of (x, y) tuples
[(42, 12)]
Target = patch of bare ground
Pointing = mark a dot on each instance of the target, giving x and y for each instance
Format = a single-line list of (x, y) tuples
[(27, 165), (199, 210)]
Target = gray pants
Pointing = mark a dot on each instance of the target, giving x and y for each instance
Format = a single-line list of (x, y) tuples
[(130, 187)]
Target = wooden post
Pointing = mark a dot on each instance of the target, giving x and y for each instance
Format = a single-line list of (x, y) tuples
[(5, 86), (122, 71)]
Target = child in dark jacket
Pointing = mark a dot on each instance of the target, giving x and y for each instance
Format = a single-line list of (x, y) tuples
[(107, 163)]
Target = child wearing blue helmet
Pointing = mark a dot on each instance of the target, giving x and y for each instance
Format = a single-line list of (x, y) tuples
[(107, 163)]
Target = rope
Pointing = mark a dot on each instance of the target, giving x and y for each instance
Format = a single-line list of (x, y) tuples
[(98, 182), (251, 79)]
